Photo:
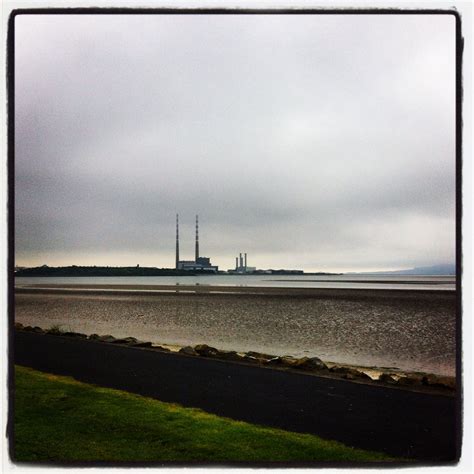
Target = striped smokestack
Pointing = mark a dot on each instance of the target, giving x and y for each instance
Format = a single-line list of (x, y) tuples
[(177, 241), (197, 239), (245, 262)]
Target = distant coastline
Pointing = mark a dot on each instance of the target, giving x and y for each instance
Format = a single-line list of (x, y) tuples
[(447, 269), (138, 271), (98, 271)]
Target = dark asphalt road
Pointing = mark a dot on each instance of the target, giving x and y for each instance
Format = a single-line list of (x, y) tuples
[(402, 423)]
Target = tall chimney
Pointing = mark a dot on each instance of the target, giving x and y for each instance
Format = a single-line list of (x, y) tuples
[(197, 239), (236, 262), (241, 260), (177, 241), (245, 264)]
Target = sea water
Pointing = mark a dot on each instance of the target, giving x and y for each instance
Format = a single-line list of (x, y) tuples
[(402, 282)]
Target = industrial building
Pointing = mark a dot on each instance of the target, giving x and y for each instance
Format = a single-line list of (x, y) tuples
[(241, 265), (199, 263)]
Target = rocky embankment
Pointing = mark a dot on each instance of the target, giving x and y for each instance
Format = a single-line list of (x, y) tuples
[(311, 365)]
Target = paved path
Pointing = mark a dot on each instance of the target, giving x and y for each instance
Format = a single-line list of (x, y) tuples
[(399, 422)]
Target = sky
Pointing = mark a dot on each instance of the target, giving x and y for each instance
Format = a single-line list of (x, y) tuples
[(314, 142)]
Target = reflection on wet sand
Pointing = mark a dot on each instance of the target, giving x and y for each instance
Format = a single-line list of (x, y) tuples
[(413, 331)]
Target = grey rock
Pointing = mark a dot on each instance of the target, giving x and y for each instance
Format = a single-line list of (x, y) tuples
[(409, 380), (188, 350), (260, 356), (54, 332), (206, 351), (125, 340), (160, 348), (350, 373), (277, 361), (141, 344), (33, 329), (288, 361), (387, 378), (439, 381), (74, 334), (309, 363), (228, 355), (106, 338)]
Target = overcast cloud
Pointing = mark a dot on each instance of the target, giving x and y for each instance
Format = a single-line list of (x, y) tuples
[(310, 142)]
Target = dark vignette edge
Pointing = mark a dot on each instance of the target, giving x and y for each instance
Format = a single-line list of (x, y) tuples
[(10, 70)]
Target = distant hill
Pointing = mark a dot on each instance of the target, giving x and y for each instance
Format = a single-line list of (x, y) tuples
[(76, 271), (443, 269)]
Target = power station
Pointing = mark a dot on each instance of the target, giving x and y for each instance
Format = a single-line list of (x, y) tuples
[(241, 265), (204, 265), (199, 263)]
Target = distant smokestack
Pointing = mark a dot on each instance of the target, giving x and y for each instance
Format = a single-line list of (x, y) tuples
[(197, 239), (177, 241), (241, 260), (236, 262), (245, 264)]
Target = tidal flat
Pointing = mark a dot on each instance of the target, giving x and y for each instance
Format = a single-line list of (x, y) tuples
[(405, 330)]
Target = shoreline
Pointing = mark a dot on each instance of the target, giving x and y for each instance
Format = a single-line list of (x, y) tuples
[(398, 379), (227, 290)]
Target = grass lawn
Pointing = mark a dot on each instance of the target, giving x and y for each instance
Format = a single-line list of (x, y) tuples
[(60, 419)]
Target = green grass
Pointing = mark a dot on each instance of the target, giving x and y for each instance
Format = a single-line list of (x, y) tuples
[(58, 419)]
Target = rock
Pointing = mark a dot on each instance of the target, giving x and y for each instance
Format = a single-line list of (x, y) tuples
[(125, 340), (206, 351), (74, 334), (439, 381), (130, 340), (387, 378), (160, 348), (18, 326), (251, 359), (228, 355), (188, 350), (309, 363), (33, 329), (106, 338), (349, 373), (141, 344), (408, 380), (276, 361), (287, 361), (54, 332), (260, 356)]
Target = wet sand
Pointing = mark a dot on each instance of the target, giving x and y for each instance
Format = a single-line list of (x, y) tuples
[(411, 331), (239, 290)]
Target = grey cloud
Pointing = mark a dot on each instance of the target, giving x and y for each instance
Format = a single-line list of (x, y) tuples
[(308, 139)]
